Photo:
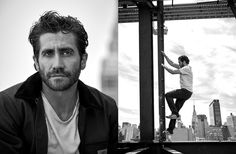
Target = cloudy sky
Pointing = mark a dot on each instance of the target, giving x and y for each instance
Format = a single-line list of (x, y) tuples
[(98, 17), (211, 48)]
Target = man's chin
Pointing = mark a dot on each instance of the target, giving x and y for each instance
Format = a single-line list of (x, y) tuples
[(58, 85)]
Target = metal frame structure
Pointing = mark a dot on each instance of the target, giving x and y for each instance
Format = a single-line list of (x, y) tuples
[(145, 12), (128, 10), (146, 68)]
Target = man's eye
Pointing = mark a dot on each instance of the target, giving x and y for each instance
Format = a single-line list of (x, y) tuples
[(67, 52), (48, 53)]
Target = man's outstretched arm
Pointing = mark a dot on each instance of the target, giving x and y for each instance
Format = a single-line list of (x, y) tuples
[(176, 71), (170, 62)]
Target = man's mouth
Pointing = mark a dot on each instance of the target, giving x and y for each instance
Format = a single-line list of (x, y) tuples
[(57, 75)]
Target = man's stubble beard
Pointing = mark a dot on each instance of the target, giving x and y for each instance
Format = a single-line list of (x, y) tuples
[(60, 84)]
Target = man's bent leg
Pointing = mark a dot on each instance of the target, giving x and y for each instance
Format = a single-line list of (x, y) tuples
[(183, 96), (171, 126), (179, 104), (170, 101)]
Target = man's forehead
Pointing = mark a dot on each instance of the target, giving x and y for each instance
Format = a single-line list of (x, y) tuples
[(57, 39), (57, 36)]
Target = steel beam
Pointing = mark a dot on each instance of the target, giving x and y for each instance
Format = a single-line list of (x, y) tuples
[(207, 10), (146, 73), (161, 77), (232, 5)]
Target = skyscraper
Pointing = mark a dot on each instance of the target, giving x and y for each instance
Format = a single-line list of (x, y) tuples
[(215, 114), (109, 74), (231, 121), (194, 119), (202, 126)]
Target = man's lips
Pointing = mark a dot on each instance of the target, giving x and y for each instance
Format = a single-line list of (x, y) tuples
[(58, 75)]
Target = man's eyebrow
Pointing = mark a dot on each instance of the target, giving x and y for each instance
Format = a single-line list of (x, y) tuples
[(65, 48), (68, 49), (46, 50)]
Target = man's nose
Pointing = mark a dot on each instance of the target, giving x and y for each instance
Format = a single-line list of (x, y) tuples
[(57, 62)]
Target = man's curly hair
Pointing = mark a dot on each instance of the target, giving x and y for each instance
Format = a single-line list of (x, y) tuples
[(52, 22), (184, 58)]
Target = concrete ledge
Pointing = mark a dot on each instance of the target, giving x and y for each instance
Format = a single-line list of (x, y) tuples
[(171, 151)]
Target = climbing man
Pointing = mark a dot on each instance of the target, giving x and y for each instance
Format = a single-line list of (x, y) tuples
[(182, 94)]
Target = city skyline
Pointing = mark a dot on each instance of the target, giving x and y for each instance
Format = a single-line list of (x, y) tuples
[(207, 116), (202, 128)]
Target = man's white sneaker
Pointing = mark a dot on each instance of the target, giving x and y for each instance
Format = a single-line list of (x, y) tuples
[(172, 116), (179, 118), (168, 135)]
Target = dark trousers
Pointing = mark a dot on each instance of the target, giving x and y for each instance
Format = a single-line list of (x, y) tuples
[(181, 95)]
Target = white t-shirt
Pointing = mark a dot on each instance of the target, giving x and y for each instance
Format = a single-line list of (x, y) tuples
[(63, 136), (186, 78)]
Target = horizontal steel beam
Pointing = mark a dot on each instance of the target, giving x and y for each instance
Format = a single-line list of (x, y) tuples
[(214, 9)]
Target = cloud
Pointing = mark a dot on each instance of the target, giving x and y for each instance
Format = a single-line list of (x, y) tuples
[(231, 49), (178, 49), (129, 111), (224, 26), (127, 69), (127, 73)]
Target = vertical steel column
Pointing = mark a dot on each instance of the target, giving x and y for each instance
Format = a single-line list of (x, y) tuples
[(232, 6), (161, 77), (146, 73)]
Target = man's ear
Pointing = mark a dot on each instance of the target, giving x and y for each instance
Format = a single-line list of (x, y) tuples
[(83, 61), (36, 64)]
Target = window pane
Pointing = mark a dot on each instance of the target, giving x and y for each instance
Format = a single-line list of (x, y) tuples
[(210, 45), (128, 84)]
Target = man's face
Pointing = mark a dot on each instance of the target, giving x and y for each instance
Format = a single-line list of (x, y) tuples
[(181, 64), (59, 62)]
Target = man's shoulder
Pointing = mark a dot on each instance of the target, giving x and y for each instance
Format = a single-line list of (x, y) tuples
[(186, 68), (10, 106), (100, 95), (11, 91)]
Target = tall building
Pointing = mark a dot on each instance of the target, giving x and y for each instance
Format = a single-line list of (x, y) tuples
[(215, 114), (181, 133), (129, 133), (194, 120), (231, 121), (225, 132), (124, 130), (215, 133), (109, 74), (202, 126)]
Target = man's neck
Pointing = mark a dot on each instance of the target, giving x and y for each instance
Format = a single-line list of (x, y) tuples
[(63, 102)]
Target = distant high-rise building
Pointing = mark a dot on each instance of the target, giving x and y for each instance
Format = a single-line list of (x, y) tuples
[(202, 126), (215, 133), (129, 132), (225, 132), (126, 124), (194, 119), (135, 133), (231, 121), (109, 74), (123, 131), (181, 133), (215, 114)]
